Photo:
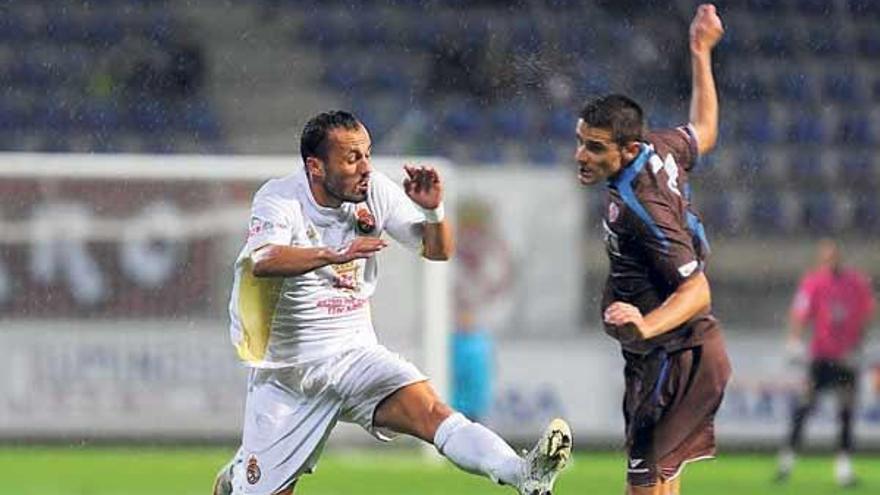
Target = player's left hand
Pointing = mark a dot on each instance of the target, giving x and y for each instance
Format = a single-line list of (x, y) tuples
[(629, 317), (706, 29), (423, 186)]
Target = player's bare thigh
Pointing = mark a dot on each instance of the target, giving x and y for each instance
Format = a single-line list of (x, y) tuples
[(415, 410)]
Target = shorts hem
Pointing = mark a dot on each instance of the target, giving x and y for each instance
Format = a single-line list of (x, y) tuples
[(686, 462)]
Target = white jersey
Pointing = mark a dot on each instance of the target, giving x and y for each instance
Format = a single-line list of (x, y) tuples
[(284, 321)]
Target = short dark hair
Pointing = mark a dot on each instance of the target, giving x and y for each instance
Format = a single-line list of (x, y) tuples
[(617, 113), (314, 135)]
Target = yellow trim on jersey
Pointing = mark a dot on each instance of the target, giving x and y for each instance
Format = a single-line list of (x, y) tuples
[(257, 299)]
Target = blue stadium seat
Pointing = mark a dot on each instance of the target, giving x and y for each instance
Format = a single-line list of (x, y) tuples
[(794, 86), (509, 121), (857, 170), (815, 7), (486, 153), (559, 123), (868, 44), (824, 42), (717, 212), (198, 119), (818, 212), (52, 114), (766, 212), (805, 167), (866, 213), (855, 129), (746, 87), (526, 37), (776, 43), (841, 87), (54, 143), (148, 116), (806, 128), (765, 6), (98, 115), (864, 8), (462, 120), (756, 127), (13, 29), (544, 153)]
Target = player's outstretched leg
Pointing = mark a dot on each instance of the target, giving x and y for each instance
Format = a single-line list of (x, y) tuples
[(546, 459)]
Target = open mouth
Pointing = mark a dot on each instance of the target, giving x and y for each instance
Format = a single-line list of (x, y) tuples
[(585, 174)]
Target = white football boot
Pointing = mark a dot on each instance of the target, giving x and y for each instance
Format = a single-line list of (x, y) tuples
[(546, 459), (223, 481)]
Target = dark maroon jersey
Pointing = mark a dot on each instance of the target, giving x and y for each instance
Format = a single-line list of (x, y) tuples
[(654, 239)]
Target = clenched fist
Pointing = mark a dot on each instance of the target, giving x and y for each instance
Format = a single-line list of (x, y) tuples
[(706, 29)]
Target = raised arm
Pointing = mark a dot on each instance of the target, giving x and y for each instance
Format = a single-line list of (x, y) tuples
[(424, 188), (705, 32)]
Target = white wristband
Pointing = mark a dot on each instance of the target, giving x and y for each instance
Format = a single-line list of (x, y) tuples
[(436, 215)]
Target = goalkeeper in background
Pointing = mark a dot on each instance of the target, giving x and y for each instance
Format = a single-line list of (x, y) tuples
[(837, 302)]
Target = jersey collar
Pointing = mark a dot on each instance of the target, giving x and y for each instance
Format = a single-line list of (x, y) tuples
[(630, 170)]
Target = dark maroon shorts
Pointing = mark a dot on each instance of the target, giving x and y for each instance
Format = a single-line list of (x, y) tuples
[(669, 407)]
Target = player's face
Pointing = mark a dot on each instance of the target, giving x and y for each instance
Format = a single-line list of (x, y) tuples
[(829, 254), (347, 168), (598, 156)]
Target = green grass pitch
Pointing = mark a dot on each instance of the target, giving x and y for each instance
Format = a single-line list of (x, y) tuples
[(190, 471)]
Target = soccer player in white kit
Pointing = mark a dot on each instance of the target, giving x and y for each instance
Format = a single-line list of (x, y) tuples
[(300, 319)]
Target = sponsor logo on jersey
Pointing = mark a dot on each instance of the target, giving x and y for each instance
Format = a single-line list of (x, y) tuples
[(253, 472), (341, 305), (261, 227)]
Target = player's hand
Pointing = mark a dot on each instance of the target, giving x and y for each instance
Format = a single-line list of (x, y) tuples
[(876, 378), (629, 318), (359, 248), (795, 351), (423, 186), (706, 29)]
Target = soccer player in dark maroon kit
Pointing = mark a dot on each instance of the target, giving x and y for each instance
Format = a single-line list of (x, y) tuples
[(837, 302), (657, 297)]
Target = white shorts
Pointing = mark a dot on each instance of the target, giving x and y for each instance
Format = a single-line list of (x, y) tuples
[(290, 412)]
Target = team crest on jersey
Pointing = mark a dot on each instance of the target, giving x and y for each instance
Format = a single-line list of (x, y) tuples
[(346, 276), (365, 221), (613, 212), (253, 472)]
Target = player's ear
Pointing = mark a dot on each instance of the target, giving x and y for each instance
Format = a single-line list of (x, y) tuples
[(315, 166), (630, 151)]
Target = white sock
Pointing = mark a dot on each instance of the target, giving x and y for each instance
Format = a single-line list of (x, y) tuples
[(477, 449), (786, 460), (843, 468)]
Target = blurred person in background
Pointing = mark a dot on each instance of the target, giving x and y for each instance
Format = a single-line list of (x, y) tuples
[(657, 300), (837, 302), (472, 368), (300, 319)]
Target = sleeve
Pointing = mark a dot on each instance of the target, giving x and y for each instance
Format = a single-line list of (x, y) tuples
[(272, 222), (404, 221), (667, 242), (802, 304), (681, 142)]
